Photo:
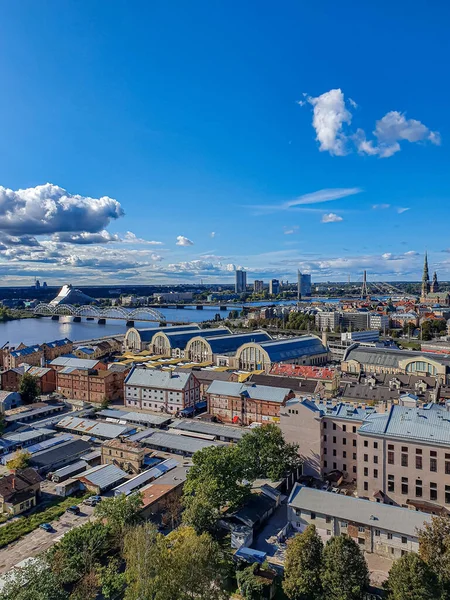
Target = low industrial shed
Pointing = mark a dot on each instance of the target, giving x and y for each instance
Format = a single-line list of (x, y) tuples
[(102, 478), (176, 444), (58, 456), (96, 429)]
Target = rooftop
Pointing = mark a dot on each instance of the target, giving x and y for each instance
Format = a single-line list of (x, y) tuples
[(304, 386), (103, 476), (384, 357), (177, 443), (223, 344), (303, 371), (153, 378), (373, 514), (305, 345), (93, 428), (147, 334), (251, 390), (25, 351), (127, 445), (179, 339), (134, 417), (69, 361), (194, 426)]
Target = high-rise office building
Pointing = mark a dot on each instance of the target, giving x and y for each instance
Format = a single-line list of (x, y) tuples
[(274, 287), (258, 286), (241, 281), (303, 285)]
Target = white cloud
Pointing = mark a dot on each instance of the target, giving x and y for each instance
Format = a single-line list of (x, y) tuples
[(402, 210), (131, 238), (331, 218), (291, 230), (329, 115), (102, 237), (326, 195), (212, 234), (381, 206), (47, 209), (184, 241)]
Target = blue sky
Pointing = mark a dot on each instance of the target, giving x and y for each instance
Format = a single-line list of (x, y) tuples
[(183, 140)]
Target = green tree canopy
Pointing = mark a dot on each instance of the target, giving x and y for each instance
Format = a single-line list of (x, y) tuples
[(29, 388), (303, 566), (19, 460), (410, 578), (264, 453), (434, 548), (345, 574), (180, 566), (251, 584), (34, 581)]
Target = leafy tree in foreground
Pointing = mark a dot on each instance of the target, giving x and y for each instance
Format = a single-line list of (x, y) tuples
[(264, 453), (20, 460), (180, 566), (119, 512), (410, 578), (29, 388), (345, 574), (34, 581), (112, 581), (434, 548), (303, 566), (199, 512)]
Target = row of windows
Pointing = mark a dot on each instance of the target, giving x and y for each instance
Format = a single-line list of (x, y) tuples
[(344, 427), (344, 440), (344, 466)]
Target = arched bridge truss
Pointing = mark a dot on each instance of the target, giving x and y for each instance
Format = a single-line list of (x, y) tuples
[(116, 312)]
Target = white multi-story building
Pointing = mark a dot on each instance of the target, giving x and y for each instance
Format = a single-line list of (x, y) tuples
[(328, 320), (381, 529), (165, 391), (380, 322)]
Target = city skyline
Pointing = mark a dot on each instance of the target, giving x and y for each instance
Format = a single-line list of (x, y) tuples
[(168, 163)]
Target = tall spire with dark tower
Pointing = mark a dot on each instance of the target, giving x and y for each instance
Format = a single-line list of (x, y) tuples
[(425, 278), (434, 284)]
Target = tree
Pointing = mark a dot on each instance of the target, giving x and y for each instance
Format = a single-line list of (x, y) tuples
[(198, 510), (29, 388), (172, 510), (20, 460), (303, 566), (34, 581), (345, 574), (434, 548), (251, 585), (119, 512), (111, 580), (410, 578), (179, 566), (264, 453), (104, 404), (79, 551)]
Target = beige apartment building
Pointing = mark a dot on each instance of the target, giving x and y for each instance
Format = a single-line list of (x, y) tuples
[(126, 455), (326, 433), (386, 531), (405, 457)]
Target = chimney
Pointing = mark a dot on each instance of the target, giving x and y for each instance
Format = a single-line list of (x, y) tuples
[(325, 338)]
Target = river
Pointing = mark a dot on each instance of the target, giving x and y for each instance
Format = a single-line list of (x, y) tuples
[(37, 331)]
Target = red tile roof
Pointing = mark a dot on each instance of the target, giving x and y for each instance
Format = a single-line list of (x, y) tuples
[(307, 372)]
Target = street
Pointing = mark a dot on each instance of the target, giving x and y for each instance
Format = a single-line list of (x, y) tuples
[(39, 540)]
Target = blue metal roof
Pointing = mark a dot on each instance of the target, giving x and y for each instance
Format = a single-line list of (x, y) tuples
[(25, 351), (179, 340), (146, 477), (147, 333), (58, 343), (305, 345), (250, 555), (230, 343), (430, 423), (251, 390), (341, 410)]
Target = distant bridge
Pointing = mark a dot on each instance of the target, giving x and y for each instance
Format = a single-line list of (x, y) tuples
[(100, 314)]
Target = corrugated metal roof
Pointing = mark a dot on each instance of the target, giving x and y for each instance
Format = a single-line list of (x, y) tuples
[(93, 428), (180, 339), (19, 437), (305, 345), (25, 351), (34, 412), (230, 343), (103, 476), (134, 417), (76, 466), (147, 333), (208, 428), (340, 410), (162, 440), (91, 455), (80, 363), (429, 423), (384, 357), (374, 514), (140, 480), (157, 379), (55, 455), (58, 343), (256, 392), (37, 371)]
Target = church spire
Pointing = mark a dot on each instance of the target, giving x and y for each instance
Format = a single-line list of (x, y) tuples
[(425, 277)]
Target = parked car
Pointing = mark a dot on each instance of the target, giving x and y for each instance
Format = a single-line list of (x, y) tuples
[(46, 527), (93, 500), (75, 510)]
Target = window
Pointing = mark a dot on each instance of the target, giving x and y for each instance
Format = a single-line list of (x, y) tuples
[(313, 516), (354, 429), (390, 446), (328, 531), (344, 454), (344, 441), (361, 541), (375, 473), (389, 536), (404, 540), (344, 524), (366, 443), (354, 469), (324, 438), (324, 424), (375, 445), (391, 485), (328, 519), (334, 452), (344, 427), (447, 494), (433, 494), (404, 460), (418, 491), (361, 529), (404, 488), (366, 458), (354, 443), (366, 472), (334, 426), (366, 486), (325, 464), (375, 459), (433, 453), (418, 451), (334, 465), (377, 532), (418, 462), (433, 465), (404, 448), (354, 455), (334, 439), (447, 467), (344, 467), (390, 458), (325, 450)]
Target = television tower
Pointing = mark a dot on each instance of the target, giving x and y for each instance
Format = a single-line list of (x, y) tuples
[(364, 291)]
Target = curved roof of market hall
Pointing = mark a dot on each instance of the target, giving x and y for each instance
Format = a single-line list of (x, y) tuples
[(225, 344), (180, 339), (384, 357), (146, 334), (291, 348)]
